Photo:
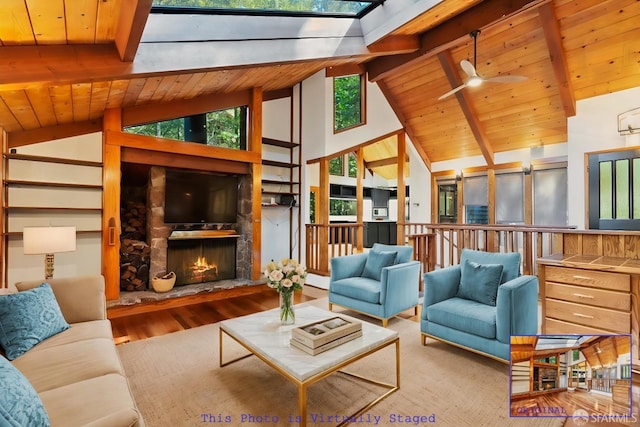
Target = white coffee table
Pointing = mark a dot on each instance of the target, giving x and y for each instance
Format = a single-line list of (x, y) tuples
[(264, 336)]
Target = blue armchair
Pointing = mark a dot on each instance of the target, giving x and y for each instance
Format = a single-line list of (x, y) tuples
[(380, 283), (479, 303)]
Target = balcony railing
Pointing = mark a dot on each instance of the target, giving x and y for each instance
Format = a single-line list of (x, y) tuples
[(440, 245)]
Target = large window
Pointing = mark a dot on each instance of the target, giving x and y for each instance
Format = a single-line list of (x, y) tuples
[(223, 128), (614, 190), (476, 199), (510, 198), (348, 101), (550, 195), (336, 166)]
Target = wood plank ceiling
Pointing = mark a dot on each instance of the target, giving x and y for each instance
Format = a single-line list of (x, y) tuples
[(598, 350), (63, 62)]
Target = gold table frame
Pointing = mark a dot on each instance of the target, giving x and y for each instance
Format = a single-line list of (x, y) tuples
[(303, 385)]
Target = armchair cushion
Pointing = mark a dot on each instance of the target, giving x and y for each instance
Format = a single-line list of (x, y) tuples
[(478, 319), (376, 261), (510, 261), (405, 253), (479, 282), (28, 318), (359, 288)]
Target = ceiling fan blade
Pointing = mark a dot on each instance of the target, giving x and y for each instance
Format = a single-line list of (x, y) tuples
[(506, 79), (468, 68), (452, 91)]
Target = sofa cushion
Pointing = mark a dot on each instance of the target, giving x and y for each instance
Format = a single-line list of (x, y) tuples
[(27, 318), (479, 282), (20, 405), (510, 261), (79, 332), (360, 288), (376, 261), (65, 364), (464, 315), (99, 401)]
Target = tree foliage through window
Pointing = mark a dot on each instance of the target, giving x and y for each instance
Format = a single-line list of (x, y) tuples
[(348, 96)]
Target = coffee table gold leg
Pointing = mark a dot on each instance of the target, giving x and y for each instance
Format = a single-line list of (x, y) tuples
[(302, 404)]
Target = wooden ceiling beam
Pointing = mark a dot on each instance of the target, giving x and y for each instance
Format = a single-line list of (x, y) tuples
[(451, 33), (553, 36), (131, 23), (383, 162), (450, 70), (37, 66), (32, 136)]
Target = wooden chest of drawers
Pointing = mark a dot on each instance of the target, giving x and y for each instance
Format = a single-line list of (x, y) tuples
[(590, 295)]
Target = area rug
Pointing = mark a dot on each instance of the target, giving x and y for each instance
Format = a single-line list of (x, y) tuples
[(176, 381)]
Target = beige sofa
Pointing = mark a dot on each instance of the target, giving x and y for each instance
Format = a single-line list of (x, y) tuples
[(77, 373)]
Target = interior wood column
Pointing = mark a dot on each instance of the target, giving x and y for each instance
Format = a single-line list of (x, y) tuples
[(4, 270), (255, 146), (111, 204), (323, 215), (359, 198), (401, 191)]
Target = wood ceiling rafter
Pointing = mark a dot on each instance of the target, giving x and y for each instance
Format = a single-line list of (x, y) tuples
[(451, 33), (450, 69), (131, 22), (553, 36)]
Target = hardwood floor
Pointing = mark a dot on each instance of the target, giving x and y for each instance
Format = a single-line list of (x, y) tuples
[(601, 409), (153, 323)]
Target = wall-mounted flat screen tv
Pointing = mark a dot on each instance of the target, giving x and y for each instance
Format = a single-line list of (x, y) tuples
[(200, 197)]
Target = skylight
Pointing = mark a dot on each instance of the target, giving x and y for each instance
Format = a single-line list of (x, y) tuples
[(328, 8), (548, 342)]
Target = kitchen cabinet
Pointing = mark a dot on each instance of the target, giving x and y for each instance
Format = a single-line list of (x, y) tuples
[(380, 232)]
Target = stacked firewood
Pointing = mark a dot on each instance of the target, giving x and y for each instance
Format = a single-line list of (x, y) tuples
[(134, 251)]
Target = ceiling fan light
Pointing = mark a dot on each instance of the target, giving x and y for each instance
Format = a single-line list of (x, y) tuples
[(474, 81)]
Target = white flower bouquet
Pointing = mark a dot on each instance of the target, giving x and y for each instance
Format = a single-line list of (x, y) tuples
[(286, 276)]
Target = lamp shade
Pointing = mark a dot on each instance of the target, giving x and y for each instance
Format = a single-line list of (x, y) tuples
[(48, 240)]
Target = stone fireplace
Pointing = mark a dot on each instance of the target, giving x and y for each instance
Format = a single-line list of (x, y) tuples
[(199, 253)]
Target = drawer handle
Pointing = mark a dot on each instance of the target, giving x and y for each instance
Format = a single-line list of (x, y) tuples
[(583, 315), (584, 296), (576, 276)]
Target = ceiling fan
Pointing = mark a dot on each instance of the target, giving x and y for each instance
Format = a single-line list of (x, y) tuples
[(473, 79)]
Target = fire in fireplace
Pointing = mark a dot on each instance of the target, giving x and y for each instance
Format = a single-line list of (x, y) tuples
[(202, 260)]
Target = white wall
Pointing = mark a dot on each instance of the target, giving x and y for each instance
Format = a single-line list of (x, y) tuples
[(594, 128), (87, 259)]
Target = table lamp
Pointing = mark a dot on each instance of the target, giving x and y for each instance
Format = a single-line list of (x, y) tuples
[(48, 240)]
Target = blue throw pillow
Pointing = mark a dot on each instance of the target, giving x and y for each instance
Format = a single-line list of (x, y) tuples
[(27, 318), (479, 282), (20, 405), (376, 261)]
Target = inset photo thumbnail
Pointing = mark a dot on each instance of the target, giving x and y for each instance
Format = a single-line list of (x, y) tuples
[(586, 377)]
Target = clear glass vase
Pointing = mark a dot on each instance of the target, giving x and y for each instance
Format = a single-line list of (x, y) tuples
[(287, 311)]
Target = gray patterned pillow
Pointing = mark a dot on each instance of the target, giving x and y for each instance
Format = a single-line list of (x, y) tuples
[(20, 405), (27, 318)]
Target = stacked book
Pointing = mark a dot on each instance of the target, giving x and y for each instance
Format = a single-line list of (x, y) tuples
[(320, 336)]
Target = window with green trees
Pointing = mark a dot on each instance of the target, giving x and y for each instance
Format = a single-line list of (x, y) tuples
[(348, 101), (336, 166), (353, 165), (222, 128)]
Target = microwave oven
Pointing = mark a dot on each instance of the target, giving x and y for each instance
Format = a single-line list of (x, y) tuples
[(380, 212)]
